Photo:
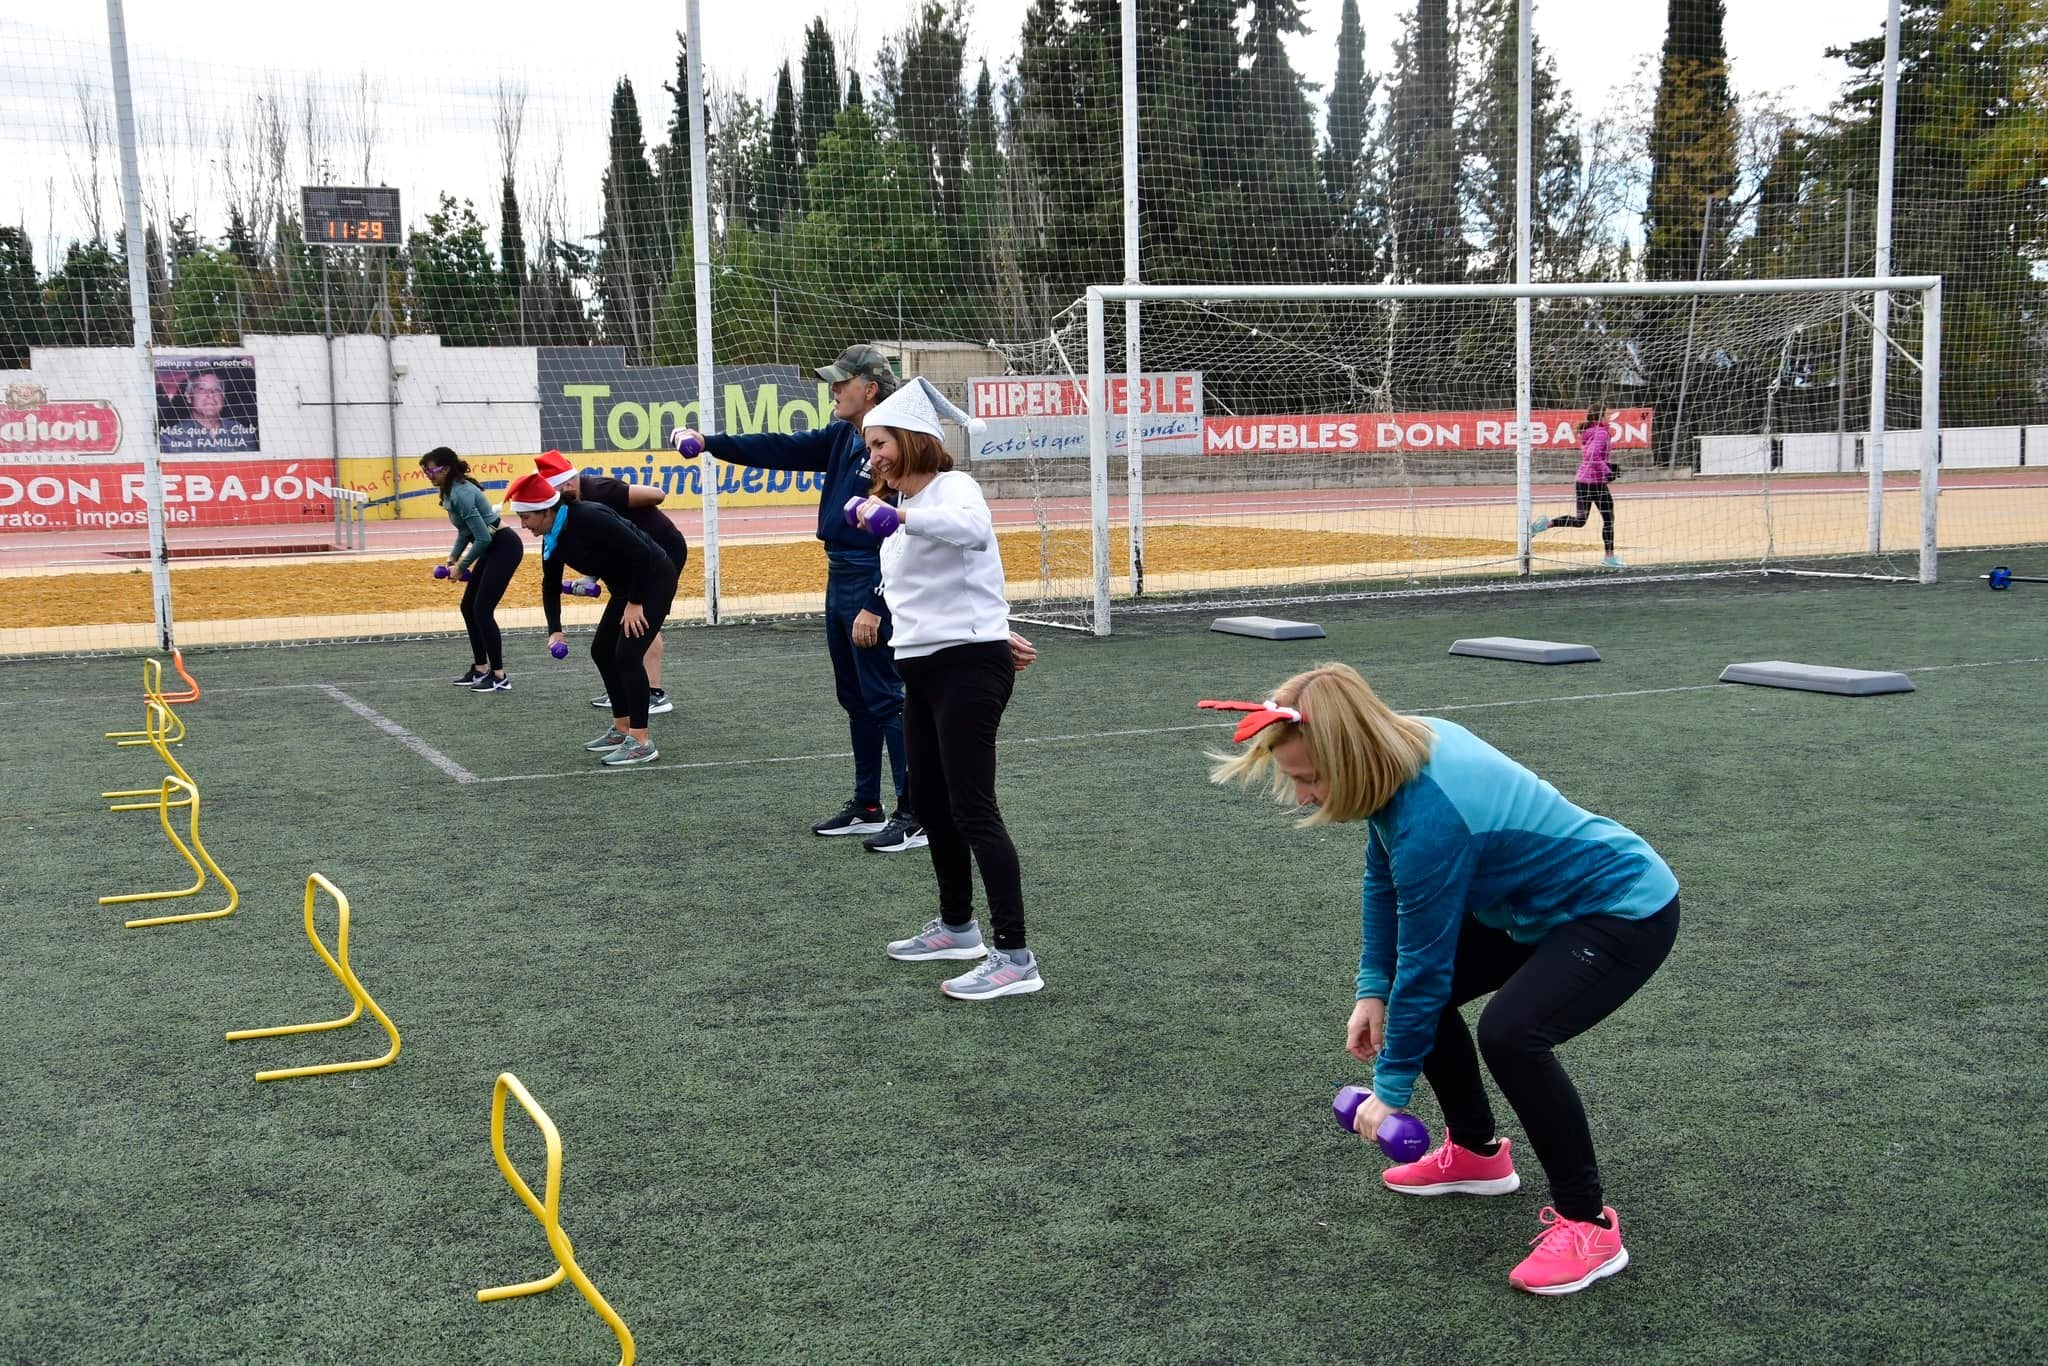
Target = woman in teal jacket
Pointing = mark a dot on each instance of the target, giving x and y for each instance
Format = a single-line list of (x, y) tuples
[(487, 554), (1479, 878)]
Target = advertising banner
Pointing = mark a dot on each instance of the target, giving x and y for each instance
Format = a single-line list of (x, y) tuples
[(68, 497), (615, 419), (33, 427), (206, 405), (1034, 416), (1413, 433)]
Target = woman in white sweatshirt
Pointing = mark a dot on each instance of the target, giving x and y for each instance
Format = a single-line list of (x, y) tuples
[(943, 579)]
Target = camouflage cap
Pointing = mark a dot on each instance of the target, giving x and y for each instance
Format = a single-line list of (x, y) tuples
[(867, 361)]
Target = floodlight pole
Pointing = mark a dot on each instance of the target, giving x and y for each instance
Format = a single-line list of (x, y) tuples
[(1524, 360), (1842, 363), (1685, 370), (1881, 311), (1134, 458), (700, 253), (138, 307)]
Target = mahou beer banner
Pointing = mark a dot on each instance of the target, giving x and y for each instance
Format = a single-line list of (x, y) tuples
[(1413, 433)]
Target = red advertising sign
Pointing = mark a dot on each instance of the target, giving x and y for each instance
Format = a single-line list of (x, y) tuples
[(63, 497), (59, 429), (1408, 433), (1021, 396)]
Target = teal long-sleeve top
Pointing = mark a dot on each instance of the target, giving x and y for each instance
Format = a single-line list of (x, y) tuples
[(1477, 833), (470, 510)]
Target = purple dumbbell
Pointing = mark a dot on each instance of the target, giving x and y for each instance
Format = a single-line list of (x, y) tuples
[(583, 588), (559, 649), (883, 521), (442, 571), (687, 445), (1401, 1136)]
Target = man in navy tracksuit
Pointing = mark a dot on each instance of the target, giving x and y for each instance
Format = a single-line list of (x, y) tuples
[(857, 620)]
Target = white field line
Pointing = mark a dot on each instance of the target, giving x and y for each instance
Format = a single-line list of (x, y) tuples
[(1226, 725), (401, 734)]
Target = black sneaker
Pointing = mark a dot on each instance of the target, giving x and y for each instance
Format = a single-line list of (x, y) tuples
[(657, 702), (901, 833), (492, 683), (468, 680), (855, 818)]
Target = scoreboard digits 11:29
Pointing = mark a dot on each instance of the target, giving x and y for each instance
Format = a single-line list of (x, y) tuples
[(344, 216)]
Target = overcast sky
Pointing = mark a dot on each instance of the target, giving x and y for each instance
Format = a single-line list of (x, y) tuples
[(435, 62)]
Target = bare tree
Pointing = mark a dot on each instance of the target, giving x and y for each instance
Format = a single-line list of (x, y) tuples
[(95, 140), (362, 128), (508, 120), (316, 132)]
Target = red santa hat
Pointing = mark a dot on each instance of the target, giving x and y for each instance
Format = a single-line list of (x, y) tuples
[(532, 494), (555, 468)]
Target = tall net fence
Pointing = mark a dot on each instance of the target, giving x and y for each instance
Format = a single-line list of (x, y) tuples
[(356, 254)]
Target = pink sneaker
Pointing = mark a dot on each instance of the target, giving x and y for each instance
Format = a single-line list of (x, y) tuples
[(1451, 1170), (1570, 1255)]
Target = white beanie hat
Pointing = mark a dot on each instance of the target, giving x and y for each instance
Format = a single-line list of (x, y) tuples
[(917, 407)]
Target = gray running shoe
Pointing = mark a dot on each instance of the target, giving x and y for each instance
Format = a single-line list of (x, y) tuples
[(937, 940), (632, 752), (999, 974), (610, 740), (601, 701), (658, 703)]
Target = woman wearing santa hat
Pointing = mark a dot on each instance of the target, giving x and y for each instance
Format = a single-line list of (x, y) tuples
[(641, 584), (942, 575), (639, 504)]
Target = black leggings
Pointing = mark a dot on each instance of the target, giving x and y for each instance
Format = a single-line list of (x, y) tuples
[(488, 580), (953, 703), (1543, 994), (622, 659), (1592, 496)]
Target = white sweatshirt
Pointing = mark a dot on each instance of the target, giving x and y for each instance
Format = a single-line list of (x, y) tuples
[(942, 574)]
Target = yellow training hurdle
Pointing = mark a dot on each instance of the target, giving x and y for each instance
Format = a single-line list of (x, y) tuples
[(337, 963), (202, 864), (153, 700), (548, 1211), (190, 692), (157, 722)]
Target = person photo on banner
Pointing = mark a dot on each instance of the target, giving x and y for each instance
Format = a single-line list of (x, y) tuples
[(206, 404)]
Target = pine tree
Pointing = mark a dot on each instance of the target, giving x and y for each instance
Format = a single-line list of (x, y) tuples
[(511, 252), (820, 104), (632, 264), (1490, 135), (1427, 225), (783, 190), (1279, 155), (1692, 143), (922, 84), (1357, 200), (22, 323), (1970, 199)]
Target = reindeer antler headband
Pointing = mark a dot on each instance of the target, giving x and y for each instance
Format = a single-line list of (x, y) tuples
[(1263, 714)]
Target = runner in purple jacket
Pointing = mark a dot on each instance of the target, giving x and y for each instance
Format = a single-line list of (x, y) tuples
[(1596, 472)]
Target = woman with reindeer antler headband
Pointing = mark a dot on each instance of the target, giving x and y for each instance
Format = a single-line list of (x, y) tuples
[(1479, 878)]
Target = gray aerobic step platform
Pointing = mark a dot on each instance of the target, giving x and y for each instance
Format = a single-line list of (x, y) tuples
[(1526, 651), (1267, 628), (1779, 673)]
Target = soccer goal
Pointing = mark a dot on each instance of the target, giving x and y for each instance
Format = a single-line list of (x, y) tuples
[(1260, 444)]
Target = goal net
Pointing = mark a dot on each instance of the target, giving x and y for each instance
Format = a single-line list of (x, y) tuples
[(1298, 442)]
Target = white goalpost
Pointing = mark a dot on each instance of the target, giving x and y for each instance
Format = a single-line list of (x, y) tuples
[(1371, 439)]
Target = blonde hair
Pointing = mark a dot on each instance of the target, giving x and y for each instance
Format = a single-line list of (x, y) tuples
[(1362, 748)]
